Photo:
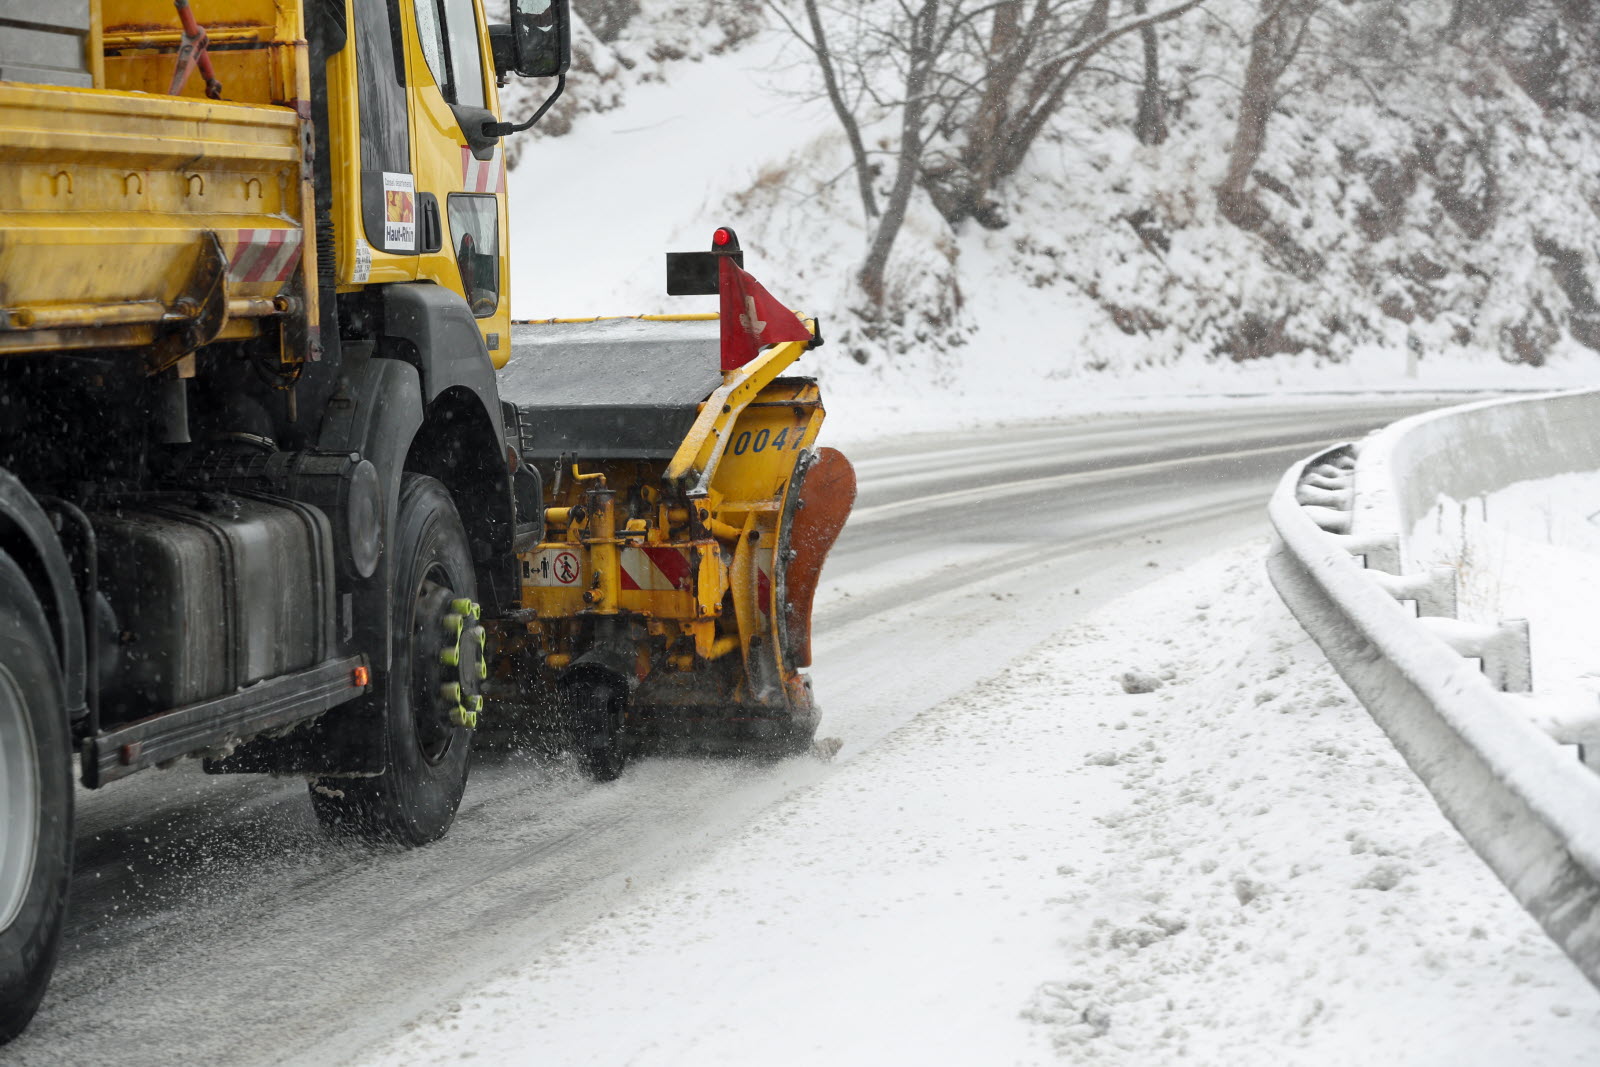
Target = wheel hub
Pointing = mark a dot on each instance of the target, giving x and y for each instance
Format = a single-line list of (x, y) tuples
[(448, 667), (465, 663)]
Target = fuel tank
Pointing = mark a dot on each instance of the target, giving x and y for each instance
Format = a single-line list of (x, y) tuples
[(212, 592)]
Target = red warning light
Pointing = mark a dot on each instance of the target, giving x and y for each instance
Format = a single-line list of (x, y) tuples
[(721, 237), (362, 677)]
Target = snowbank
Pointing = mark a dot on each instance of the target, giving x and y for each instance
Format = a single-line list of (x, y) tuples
[(1233, 867), (1528, 551)]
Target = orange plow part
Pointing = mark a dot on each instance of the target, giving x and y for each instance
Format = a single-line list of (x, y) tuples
[(826, 496)]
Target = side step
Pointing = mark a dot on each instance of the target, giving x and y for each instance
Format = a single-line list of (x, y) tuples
[(281, 701)]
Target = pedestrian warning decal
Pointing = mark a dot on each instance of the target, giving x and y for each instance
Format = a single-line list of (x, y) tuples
[(552, 567), (565, 568)]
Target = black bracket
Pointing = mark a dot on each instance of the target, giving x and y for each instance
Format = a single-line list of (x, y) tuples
[(696, 273)]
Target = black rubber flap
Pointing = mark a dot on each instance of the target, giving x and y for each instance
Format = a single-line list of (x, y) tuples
[(614, 389)]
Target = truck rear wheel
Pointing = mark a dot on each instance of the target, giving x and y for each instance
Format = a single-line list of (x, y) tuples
[(35, 803), (429, 747)]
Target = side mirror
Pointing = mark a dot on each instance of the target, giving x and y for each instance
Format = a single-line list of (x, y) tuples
[(537, 44)]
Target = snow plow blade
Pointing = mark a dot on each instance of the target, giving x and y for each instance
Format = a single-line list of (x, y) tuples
[(827, 493), (673, 523)]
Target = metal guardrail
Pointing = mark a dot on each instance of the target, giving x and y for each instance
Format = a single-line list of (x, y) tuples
[(1524, 802)]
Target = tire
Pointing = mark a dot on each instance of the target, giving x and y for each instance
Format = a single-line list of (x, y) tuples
[(599, 708), (36, 787), (414, 800)]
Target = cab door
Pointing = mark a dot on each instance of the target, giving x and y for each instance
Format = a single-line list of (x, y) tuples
[(460, 175)]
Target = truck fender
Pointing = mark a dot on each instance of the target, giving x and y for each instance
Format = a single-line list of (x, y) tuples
[(446, 347), (377, 412), (432, 328), (27, 536)]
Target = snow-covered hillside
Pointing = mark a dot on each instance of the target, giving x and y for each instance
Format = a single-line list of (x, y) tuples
[(1427, 224)]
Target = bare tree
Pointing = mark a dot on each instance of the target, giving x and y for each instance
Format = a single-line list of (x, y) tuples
[(1150, 124), (889, 63), (842, 109), (1036, 53), (958, 92), (1279, 33), (924, 37)]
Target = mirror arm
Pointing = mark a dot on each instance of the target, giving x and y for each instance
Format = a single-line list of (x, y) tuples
[(501, 129)]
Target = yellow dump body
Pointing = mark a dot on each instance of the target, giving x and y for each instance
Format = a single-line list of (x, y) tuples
[(127, 214)]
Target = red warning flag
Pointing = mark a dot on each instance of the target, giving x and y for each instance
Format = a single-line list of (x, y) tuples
[(751, 316)]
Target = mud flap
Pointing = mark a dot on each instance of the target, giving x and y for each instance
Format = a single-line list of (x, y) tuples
[(827, 492)]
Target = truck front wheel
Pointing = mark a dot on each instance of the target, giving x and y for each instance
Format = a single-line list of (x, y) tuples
[(35, 803), (435, 656)]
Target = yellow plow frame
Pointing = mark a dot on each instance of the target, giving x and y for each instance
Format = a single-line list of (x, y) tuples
[(674, 575)]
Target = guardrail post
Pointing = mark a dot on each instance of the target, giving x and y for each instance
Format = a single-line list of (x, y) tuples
[(1502, 650), (1381, 553), (1589, 756), (1433, 593), (1324, 495), (1329, 519)]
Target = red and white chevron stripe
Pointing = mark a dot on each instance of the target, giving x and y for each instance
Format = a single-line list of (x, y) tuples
[(265, 255), (482, 175), (655, 568), (764, 583)]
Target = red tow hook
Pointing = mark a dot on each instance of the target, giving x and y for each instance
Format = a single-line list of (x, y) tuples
[(192, 53)]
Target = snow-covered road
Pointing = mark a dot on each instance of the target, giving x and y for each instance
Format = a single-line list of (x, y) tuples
[(1235, 868), (211, 917)]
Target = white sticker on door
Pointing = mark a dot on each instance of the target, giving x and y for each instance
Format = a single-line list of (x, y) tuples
[(399, 212)]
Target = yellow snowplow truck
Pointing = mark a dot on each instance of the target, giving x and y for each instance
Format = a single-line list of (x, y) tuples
[(263, 500)]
